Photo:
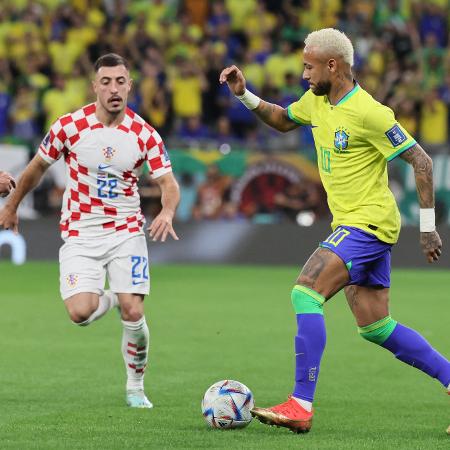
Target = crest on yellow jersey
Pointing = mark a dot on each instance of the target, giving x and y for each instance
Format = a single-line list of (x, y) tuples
[(341, 136)]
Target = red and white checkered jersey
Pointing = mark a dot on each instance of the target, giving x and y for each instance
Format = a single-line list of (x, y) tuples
[(102, 166)]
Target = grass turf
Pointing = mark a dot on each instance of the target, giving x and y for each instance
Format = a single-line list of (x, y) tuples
[(62, 387)]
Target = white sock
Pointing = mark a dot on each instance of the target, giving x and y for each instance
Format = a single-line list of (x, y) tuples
[(106, 302), (135, 350), (303, 403)]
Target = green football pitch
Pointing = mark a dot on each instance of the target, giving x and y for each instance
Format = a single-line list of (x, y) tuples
[(62, 387)]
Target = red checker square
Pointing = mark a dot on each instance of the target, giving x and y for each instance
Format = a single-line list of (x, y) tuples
[(121, 227), (128, 192), (156, 163), (110, 210), (75, 216), (131, 219), (97, 125), (139, 163), (81, 124), (74, 139), (111, 224), (83, 188), (73, 233), (150, 143), (74, 195), (66, 120), (141, 144), (73, 174), (123, 128), (82, 169), (96, 202), (136, 127), (133, 230), (84, 207), (89, 109), (64, 226), (61, 135), (53, 152)]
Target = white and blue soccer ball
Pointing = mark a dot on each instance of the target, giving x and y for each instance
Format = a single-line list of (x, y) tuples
[(227, 404)]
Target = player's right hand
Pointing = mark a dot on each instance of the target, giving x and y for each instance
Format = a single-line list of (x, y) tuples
[(9, 219), (234, 78), (431, 245), (7, 184)]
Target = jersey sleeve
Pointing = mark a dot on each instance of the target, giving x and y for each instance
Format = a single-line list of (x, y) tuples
[(300, 111), (385, 133), (54, 143), (157, 158)]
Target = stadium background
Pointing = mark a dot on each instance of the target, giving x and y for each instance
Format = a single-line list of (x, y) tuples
[(232, 168), (243, 186)]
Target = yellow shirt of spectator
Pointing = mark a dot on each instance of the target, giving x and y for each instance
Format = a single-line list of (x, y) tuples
[(354, 140), (187, 96)]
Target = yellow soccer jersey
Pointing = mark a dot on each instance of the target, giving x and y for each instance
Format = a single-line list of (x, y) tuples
[(354, 140)]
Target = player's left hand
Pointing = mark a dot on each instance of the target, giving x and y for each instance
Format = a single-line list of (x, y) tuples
[(7, 184), (161, 227), (431, 245)]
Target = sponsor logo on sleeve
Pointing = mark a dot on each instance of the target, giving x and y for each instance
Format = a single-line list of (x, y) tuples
[(396, 135)]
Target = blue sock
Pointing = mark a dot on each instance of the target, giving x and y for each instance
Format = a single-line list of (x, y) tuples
[(309, 341), (410, 347)]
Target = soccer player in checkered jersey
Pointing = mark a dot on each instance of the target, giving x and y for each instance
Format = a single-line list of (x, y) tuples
[(105, 146), (355, 136)]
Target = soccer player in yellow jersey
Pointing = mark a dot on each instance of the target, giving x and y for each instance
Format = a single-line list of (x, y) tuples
[(355, 137)]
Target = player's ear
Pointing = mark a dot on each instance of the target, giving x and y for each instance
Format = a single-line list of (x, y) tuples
[(332, 65), (94, 86), (130, 84)]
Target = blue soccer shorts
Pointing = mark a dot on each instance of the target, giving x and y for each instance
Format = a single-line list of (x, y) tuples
[(368, 259)]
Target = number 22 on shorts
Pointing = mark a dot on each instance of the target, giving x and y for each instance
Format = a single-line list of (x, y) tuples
[(139, 269)]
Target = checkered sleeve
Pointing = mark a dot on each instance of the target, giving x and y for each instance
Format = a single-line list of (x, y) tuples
[(157, 157), (54, 143)]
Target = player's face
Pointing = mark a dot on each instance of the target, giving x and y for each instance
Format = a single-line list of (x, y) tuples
[(316, 71), (112, 85)]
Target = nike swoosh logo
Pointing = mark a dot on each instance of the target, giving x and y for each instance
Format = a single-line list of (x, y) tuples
[(103, 166), (314, 126), (138, 282)]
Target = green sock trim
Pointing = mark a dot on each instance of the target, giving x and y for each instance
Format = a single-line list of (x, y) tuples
[(379, 331), (306, 301)]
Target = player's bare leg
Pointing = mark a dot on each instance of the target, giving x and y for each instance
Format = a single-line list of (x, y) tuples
[(323, 275), (85, 307), (135, 342), (370, 306)]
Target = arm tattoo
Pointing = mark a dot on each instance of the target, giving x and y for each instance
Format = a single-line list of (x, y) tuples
[(423, 172), (274, 116)]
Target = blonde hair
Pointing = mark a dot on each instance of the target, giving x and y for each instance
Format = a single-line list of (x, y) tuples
[(332, 42)]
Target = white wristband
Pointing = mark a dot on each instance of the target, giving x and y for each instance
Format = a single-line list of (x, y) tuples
[(249, 99), (427, 224)]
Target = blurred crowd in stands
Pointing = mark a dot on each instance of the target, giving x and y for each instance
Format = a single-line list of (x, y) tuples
[(177, 49)]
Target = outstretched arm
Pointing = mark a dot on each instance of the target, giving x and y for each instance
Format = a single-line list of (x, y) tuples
[(423, 172), (170, 196), (27, 182), (273, 115)]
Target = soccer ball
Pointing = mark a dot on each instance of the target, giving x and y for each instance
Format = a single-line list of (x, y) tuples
[(227, 404)]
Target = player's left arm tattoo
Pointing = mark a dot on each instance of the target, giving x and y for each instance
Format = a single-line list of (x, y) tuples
[(423, 173)]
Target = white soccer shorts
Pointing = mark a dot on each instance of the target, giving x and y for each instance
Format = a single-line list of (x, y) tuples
[(84, 265)]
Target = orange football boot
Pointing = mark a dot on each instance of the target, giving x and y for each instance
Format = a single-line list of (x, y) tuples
[(289, 414)]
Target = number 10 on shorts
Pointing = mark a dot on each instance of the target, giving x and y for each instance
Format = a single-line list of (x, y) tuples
[(139, 269)]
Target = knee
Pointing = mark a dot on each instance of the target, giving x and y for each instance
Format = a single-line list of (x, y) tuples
[(311, 283), (306, 301), (79, 319), (78, 315), (379, 331), (131, 313)]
